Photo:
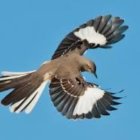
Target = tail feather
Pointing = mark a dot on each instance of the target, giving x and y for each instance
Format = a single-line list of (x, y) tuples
[(8, 73), (27, 88), (36, 98), (27, 104), (19, 93), (9, 80)]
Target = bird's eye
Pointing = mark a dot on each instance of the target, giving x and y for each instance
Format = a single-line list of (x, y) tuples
[(89, 67)]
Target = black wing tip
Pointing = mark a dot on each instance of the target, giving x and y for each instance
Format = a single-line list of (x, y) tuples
[(108, 25), (112, 29), (102, 108), (112, 98), (66, 105)]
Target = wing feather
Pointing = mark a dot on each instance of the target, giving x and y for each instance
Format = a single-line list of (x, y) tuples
[(99, 32), (79, 101)]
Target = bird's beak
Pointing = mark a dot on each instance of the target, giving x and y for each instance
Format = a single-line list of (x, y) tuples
[(95, 74)]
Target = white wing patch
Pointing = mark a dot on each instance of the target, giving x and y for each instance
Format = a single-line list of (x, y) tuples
[(88, 100), (32, 104), (91, 36)]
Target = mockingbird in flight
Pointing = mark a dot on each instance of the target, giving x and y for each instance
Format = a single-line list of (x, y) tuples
[(70, 93)]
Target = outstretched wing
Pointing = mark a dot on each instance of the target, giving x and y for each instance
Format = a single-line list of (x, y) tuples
[(75, 98), (99, 32)]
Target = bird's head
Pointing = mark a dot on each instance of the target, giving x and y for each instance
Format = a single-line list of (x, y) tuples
[(90, 67)]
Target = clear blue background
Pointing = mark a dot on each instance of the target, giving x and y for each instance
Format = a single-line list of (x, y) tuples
[(30, 31)]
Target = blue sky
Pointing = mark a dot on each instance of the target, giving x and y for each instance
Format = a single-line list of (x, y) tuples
[(30, 31)]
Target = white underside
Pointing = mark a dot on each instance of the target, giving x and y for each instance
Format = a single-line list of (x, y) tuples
[(32, 104), (89, 34), (88, 100)]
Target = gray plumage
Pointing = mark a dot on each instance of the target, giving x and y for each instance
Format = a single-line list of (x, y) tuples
[(69, 92)]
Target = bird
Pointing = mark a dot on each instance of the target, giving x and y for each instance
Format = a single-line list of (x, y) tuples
[(73, 96)]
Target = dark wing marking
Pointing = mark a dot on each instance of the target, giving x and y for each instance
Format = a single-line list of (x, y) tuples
[(99, 32), (75, 98)]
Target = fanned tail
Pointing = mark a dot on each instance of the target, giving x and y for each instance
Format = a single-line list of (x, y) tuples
[(26, 87)]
